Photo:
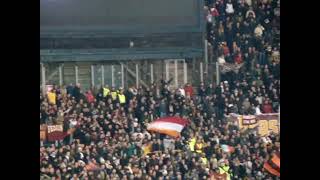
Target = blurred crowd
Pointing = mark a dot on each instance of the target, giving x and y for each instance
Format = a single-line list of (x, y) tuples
[(244, 31), (111, 140)]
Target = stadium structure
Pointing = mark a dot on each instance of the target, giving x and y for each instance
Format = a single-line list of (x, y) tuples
[(122, 43)]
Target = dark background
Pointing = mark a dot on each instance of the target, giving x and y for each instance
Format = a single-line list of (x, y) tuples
[(58, 13)]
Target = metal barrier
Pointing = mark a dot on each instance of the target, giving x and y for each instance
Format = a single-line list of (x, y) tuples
[(128, 73)]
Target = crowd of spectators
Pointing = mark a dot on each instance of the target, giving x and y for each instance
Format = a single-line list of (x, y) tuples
[(111, 140), (244, 31)]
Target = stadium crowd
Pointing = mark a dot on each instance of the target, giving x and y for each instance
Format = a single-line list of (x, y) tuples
[(111, 140)]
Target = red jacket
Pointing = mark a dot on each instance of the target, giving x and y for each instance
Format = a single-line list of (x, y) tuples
[(226, 50), (238, 58), (215, 12), (90, 97), (189, 90), (267, 108)]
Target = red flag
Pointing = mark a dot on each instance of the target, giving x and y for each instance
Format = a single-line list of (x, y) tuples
[(171, 126), (217, 176), (273, 165), (55, 133)]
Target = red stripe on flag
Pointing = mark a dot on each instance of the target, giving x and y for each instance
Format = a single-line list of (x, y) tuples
[(276, 160), (177, 120), (270, 169)]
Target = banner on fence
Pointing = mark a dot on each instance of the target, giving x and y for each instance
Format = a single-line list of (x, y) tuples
[(264, 123), (227, 67), (55, 132)]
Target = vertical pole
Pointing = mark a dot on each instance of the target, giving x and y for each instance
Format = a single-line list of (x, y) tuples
[(60, 75), (163, 71), (77, 75), (122, 76), (126, 75), (201, 71), (194, 76), (176, 72), (218, 73), (92, 75), (102, 75), (151, 73), (43, 75), (167, 70), (206, 55), (137, 75), (112, 75), (185, 72)]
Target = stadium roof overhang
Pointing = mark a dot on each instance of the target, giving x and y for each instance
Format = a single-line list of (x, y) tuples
[(117, 54), (98, 43)]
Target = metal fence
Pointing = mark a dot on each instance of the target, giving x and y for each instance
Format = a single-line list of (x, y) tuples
[(127, 73)]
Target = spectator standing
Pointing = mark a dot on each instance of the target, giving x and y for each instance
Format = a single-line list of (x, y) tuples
[(267, 107), (76, 92), (52, 97), (89, 97)]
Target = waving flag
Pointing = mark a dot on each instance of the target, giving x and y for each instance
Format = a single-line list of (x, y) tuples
[(227, 148), (55, 133), (147, 148), (273, 165), (171, 126), (218, 176)]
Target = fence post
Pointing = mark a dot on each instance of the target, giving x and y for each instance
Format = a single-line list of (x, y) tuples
[(185, 72), (218, 73), (76, 72), (206, 56), (92, 75), (137, 75), (176, 73), (201, 71), (122, 76), (102, 75), (167, 70), (112, 75), (60, 75), (151, 73), (43, 75)]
